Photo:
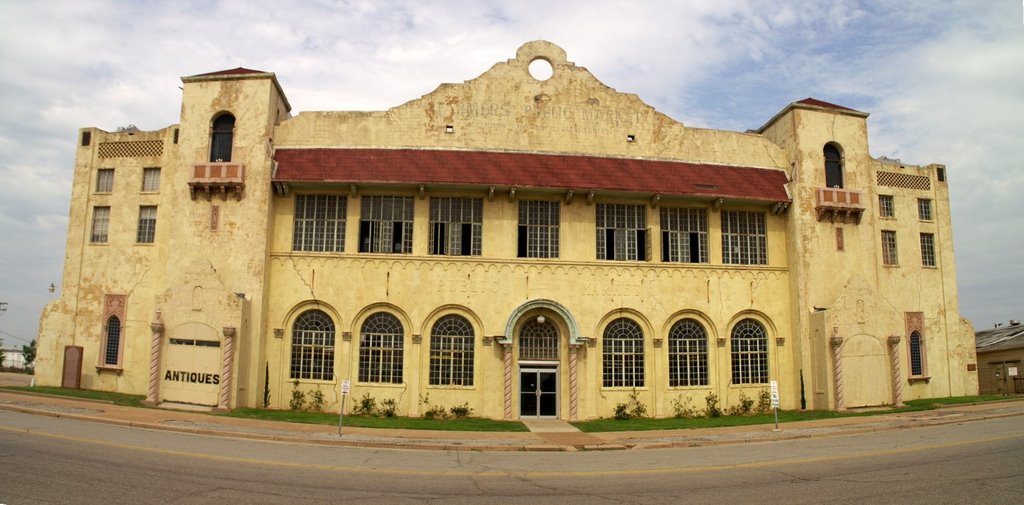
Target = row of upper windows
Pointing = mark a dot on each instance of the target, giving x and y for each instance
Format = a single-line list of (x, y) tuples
[(887, 208), (890, 256), (145, 232), (150, 180), (456, 229)]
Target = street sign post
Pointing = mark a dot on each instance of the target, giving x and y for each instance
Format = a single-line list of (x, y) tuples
[(775, 402), (345, 386)]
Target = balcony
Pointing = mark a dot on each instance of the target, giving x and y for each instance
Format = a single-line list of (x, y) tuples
[(839, 205), (215, 178)]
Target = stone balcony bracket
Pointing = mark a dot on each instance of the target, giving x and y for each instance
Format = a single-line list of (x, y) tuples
[(839, 205)]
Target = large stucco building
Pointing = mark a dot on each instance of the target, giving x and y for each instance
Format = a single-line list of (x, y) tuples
[(531, 246)]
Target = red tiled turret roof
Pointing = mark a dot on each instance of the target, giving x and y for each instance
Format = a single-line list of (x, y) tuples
[(528, 170)]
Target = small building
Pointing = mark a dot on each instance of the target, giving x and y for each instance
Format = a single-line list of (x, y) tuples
[(1001, 359), (528, 245), (13, 359)]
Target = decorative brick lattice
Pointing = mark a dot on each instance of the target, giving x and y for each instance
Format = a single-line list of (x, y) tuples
[(137, 149), (895, 180)]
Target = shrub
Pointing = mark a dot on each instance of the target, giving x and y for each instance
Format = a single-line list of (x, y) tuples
[(744, 407), (463, 410), (316, 401), (435, 412), (365, 406), (681, 408), (764, 401), (633, 409), (388, 408), (712, 409), (298, 401)]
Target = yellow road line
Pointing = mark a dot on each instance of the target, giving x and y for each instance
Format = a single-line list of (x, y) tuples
[(775, 463)]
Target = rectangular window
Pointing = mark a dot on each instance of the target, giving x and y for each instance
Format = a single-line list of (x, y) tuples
[(885, 206), (840, 241), (385, 225), (456, 226), (928, 249), (621, 232), (744, 238), (924, 209), (319, 224), (889, 256), (147, 225), (684, 235), (100, 224), (538, 229), (105, 180), (150, 180)]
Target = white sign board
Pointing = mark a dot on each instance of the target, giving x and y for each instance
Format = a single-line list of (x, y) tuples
[(345, 386), (1011, 371), (775, 394)]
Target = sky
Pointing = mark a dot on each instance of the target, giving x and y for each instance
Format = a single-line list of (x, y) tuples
[(943, 82)]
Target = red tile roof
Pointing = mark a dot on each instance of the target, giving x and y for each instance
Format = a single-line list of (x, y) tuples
[(528, 170), (820, 103), (233, 71)]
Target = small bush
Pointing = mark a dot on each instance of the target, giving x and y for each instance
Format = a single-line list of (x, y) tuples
[(317, 400), (744, 407), (682, 409), (712, 409), (365, 406), (298, 400), (633, 409), (388, 408), (764, 401), (460, 411), (435, 412)]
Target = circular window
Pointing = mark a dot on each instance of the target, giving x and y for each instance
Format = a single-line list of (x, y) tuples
[(541, 69)]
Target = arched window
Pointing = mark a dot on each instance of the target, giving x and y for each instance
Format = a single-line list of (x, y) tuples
[(916, 354), (538, 341), (687, 354), (222, 137), (313, 346), (833, 166), (749, 353), (112, 345), (381, 344), (451, 352), (623, 354)]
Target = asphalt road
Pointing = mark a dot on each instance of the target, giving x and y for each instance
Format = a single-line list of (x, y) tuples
[(48, 460)]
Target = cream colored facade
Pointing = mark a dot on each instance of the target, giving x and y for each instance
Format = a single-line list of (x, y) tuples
[(211, 311)]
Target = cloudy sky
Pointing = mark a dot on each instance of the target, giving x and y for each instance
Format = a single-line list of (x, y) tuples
[(943, 81)]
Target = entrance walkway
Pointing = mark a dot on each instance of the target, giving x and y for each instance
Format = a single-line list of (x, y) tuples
[(559, 433)]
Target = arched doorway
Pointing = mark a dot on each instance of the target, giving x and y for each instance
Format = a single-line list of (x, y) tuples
[(538, 368), (866, 366)]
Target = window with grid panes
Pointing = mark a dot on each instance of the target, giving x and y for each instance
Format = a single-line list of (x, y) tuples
[(684, 235), (749, 353), (112, 342), (319, 224), (928, 249), (100, 224), (147, 225), (385, 224), (150, 180), (885, 206), (687, 354), (456, 226), (744, 238), (105, 180), (381, 344), (623, 354), (916, 354), (313, 346), (924, 209), (621, 232), (889, 254), (451, 352), (538, 341), (538, 229)]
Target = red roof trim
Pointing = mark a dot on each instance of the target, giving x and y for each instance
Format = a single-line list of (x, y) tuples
[(820, 103), (528, 170), (233, 71)]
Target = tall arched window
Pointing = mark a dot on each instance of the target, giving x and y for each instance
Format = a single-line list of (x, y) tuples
[(916, 354), (381, 343), (687, 354), (451, 352), (313, 346), (112, 345), (833, 166), (749, 353), (623, 353), (221, 138)]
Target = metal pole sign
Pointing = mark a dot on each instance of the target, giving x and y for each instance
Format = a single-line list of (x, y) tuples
[(345, 386), (775, 402)]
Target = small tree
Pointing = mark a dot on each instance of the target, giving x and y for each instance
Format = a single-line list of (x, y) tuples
[(29, 351)]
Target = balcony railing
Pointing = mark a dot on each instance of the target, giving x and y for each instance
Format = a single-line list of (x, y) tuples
[(217, 178), (837, 204)]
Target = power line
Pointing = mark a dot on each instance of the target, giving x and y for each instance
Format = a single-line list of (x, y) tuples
[(15, 337)]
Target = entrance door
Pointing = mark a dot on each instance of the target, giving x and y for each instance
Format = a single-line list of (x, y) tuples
[(538, 392)]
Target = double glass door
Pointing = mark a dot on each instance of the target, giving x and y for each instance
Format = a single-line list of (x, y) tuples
[(538, 392)]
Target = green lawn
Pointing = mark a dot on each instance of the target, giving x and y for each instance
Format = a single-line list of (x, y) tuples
[(480, 424)]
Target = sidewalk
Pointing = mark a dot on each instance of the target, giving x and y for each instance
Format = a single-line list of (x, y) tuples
[(548, 436)]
